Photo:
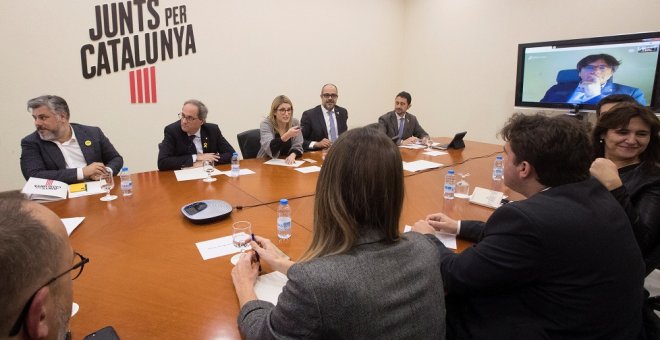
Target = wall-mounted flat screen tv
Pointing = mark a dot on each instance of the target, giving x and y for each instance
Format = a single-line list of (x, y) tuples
[(577, 73)]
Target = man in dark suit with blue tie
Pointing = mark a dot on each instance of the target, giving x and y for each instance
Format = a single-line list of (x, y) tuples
[(400, 125), (324, 123), (64, 151), (190, 141)]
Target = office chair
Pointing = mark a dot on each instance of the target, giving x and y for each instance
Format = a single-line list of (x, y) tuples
[(249, 142), (568, 76)]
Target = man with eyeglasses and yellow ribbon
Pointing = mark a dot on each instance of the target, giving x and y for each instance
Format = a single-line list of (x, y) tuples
[(38, 266), (595, 73), (190, 141), (322, 124)]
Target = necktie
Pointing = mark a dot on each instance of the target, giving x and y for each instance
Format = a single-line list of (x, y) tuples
[(192, 148), (333, 129), (401, 125)]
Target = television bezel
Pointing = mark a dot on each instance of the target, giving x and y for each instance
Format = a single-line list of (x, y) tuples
[(654, 102)]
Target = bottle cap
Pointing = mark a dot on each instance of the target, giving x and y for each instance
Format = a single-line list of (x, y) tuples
[(284, 201), (498, 157), (235, 154), (124, 169), (450, 172)]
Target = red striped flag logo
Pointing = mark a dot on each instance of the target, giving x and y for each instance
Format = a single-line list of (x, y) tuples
[(143, 85), (49, 182)]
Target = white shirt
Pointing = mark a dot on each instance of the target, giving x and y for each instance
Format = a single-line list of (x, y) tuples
[(73, 155), (198, 144)]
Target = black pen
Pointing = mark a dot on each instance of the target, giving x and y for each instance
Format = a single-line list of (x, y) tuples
[(255, 253)]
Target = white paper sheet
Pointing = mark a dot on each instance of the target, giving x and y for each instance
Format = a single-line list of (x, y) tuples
[(309, 160), (435, 153), (412, 146), (93, 188), (309, 169), (71, 223), (282, 162), (193, 173), (449, 240), (218, 247), (241, 172), (269, 286), (420, 165)]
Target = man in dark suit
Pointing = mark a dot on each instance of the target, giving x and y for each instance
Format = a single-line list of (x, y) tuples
[(561, 264), (324, 123), (191, 140), (400, 125), (62, 151)]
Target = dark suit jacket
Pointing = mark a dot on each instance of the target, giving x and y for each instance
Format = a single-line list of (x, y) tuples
[(43, 159), (389, 124), (561, 92), (174, 151), (562, 264), (314, 128), (373, 291)]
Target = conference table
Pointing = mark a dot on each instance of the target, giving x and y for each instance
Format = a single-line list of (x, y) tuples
[(146, 277)]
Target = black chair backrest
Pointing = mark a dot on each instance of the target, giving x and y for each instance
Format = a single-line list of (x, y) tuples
[(249, 142)]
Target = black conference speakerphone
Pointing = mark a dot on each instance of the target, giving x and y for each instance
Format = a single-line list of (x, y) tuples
[(206, 211)]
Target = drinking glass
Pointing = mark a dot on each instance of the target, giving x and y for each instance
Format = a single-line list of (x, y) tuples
[(242, 235), (462, 187), (208, 167), (429, 143), (107, 183)]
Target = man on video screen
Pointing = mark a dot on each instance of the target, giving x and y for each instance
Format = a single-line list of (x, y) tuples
[(595, 73)]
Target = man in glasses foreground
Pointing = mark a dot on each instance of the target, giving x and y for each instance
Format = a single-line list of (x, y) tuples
[(323, 124), (37, 265), (190, 141)]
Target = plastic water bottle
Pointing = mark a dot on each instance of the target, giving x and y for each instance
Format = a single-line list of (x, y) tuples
[(498, 168), (126, 182), (284, 220), (235, 166), (450, 185)]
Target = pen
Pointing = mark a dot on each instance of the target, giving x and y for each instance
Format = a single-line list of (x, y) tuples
[(257, 254)]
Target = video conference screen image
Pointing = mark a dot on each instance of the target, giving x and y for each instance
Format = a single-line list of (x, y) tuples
[(586, 74)]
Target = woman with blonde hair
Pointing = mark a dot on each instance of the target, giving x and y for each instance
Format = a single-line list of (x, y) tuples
[(280, 132), (359, 278)]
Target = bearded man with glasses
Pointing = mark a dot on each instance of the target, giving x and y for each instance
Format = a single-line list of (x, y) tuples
[(38, 266)]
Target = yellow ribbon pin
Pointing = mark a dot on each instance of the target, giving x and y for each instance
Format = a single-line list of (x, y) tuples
[(88, 143), (206, 145)]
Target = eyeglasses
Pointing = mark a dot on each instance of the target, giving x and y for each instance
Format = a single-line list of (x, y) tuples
[(283, 110), (187, 118), (330, 95), (591, 68), (75, 271)]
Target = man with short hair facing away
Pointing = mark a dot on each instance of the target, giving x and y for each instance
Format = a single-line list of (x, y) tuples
[(37, 266), (322, 124), (400, 125), (191, 140), (64, 151), (561, 264)]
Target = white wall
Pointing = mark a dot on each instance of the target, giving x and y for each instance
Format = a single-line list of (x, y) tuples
[(457, 58), (248, 52)]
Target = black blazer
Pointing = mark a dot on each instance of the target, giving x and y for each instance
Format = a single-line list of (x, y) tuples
[(43, 159), (314, 128), (562, 264), (174, 151), (389, 124)]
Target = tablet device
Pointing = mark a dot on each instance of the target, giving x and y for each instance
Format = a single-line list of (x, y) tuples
[(456, 142)]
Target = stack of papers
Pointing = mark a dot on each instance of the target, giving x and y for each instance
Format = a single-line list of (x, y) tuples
[(45, 189), (309, 169), (487, 198), (269, 286), (413, 146), (193, 173)]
